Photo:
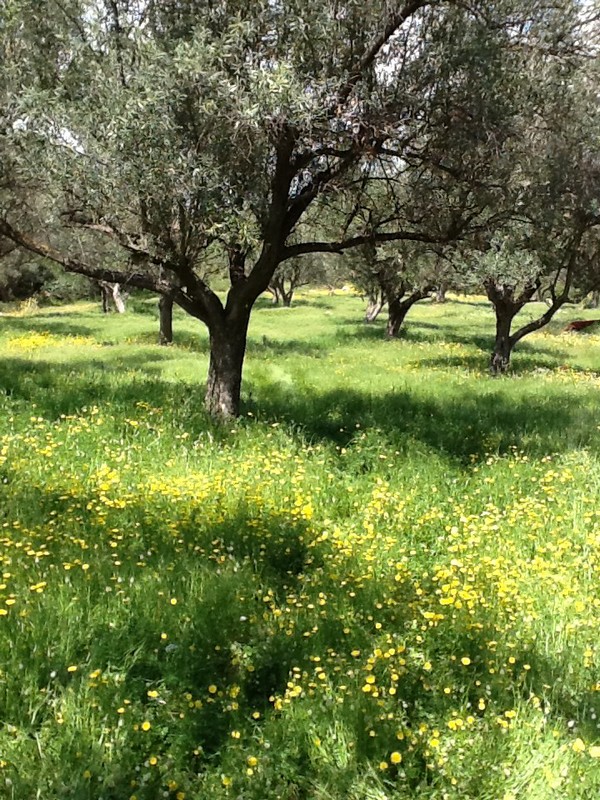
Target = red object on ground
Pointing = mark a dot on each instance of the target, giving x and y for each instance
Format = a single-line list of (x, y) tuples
[(580, 324)]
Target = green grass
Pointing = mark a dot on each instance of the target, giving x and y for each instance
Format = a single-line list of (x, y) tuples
[(381, 582)]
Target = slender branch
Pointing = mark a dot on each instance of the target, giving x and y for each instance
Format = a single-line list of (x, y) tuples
[(77, 24), (126, 240), (189, 302), (557, 300), (299, 204), (205, 304), (394, 23), (137, 279), (118, 30), (528, 292), (246, 288), (541, 321), (346, 244), (414, 297)]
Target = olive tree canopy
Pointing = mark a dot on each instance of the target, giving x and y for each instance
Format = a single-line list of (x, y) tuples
[(194, 137)]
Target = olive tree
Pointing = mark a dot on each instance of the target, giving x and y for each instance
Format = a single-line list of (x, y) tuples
[(177, 129), (551, 248), (394, 275), (294, 273)]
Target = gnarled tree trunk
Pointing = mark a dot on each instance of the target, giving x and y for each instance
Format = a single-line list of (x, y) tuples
[(105, 292), (118, 298), (112, 291), (277, 287), (397, 311), (165, 312), (374, 307), (398, 308), (274, 295), (503, 343), (507, 305), (227, 351)]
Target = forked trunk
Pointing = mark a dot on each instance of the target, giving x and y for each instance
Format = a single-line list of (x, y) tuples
[(503, 344), (397, 311), (374, 308), (280, 293), (227, 351), (399, 308), (112, 292), (165, 311)]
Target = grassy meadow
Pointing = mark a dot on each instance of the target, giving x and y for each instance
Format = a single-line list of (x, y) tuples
[(383, 581)]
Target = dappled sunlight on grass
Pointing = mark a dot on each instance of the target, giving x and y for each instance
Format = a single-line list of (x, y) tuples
[(383, 581)]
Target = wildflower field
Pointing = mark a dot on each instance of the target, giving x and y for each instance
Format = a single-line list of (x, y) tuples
[(382, 582)]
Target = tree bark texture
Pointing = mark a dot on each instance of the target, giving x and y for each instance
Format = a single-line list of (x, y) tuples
[(112, 292), (280, 293), (165, 312), (105, 292), (118, 298), (397, 311), (398, 308), (440, 294), (227, 351), (374, 308), (503, 343)]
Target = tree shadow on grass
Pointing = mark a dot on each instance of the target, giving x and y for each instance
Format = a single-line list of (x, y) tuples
[(265, 347), (182, 340), (525, 362), (58, 324), (458, 425), (225, 563), (226, 641), (61, 388), (258, 346), (436, 333), (414, 331), (57, 388)]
